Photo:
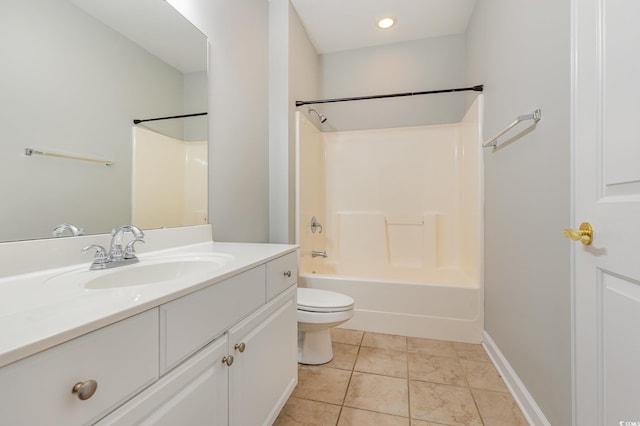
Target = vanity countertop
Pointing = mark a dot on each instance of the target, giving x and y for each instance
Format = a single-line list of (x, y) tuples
[(39, 310)]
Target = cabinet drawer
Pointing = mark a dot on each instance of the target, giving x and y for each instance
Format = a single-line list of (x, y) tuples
[(122, 358), (281, 274), (189, 323)]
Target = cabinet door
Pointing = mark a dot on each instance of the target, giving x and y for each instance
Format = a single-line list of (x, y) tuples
[(265, 372), (195, 393)]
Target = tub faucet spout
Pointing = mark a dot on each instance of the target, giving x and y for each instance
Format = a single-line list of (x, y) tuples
[(319, 253)]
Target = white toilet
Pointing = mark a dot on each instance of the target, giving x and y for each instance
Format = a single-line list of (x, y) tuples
[(318, 311)]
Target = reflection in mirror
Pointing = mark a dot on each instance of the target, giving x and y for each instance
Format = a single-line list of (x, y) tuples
[(76, 73)]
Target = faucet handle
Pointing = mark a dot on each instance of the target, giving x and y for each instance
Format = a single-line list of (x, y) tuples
[(101, 257), (129, 250)]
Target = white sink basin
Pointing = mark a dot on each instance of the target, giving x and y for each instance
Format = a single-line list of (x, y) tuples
[(142, 274), (148, 271)]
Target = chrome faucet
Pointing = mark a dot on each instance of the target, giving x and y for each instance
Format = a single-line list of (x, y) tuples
[(116, 255), (319, 253), (74, 230)]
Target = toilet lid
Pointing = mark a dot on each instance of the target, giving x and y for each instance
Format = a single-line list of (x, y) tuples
[(314, 300)]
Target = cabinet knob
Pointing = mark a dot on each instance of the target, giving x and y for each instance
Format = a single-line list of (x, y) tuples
[(240, 347), (287, 274), (85, 390), (228, 360)]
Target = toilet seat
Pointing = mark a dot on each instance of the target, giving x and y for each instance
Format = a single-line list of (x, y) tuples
[(314, 300)]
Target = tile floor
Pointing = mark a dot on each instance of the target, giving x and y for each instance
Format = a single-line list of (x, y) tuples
[(380, 379)]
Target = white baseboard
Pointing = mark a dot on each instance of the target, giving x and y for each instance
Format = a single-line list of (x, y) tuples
[(532, 413)]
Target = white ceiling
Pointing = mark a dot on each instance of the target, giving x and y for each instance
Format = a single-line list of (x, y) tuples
[(335, 25)]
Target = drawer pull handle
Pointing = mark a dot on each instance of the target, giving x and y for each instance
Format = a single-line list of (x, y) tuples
[(85, 390), (287, 274), (228, 360), (240, 347)]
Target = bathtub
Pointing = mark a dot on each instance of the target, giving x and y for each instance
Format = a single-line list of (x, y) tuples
[(450, 307)]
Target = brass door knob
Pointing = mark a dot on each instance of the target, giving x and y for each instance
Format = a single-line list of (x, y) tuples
[(240, 347), (584, 234)]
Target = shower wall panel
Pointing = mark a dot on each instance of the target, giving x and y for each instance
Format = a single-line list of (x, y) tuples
[(395, 197), (311, 190)]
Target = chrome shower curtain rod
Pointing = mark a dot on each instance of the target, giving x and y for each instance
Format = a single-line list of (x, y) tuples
[(478, 88), (169, 118)]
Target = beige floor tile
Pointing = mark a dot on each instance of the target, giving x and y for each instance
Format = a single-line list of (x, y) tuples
[(305, 412), (385, 341), (471, 352), (498, 409), (451, 405), (483, 375), (449, 384), (378, 393), (430, 346), (355, 417), (382, 361), (344, 335), (437, 369), (344, 356), (322, 384)]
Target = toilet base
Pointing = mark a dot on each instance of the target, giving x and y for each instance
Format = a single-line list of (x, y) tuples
[(314, 346)]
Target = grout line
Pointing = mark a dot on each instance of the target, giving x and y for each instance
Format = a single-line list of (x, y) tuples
[(408, 382), (466, 379), (349, 382)]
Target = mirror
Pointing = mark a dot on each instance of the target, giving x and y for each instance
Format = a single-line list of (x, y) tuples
[(75, 74)]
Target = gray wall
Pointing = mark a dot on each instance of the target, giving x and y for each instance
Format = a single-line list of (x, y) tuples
[(238, 114), (293, 76), (303, 84), (279, 122), (195, 100), (420, 65), (521, 52)]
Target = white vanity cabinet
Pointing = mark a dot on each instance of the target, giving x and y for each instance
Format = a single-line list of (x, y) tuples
[(245, 375), (225, 354)]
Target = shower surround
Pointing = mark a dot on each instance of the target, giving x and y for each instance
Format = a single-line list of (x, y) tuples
[(401, 216), (169, 181)]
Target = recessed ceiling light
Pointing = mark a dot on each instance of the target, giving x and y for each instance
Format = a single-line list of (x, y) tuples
[(387, 22)]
